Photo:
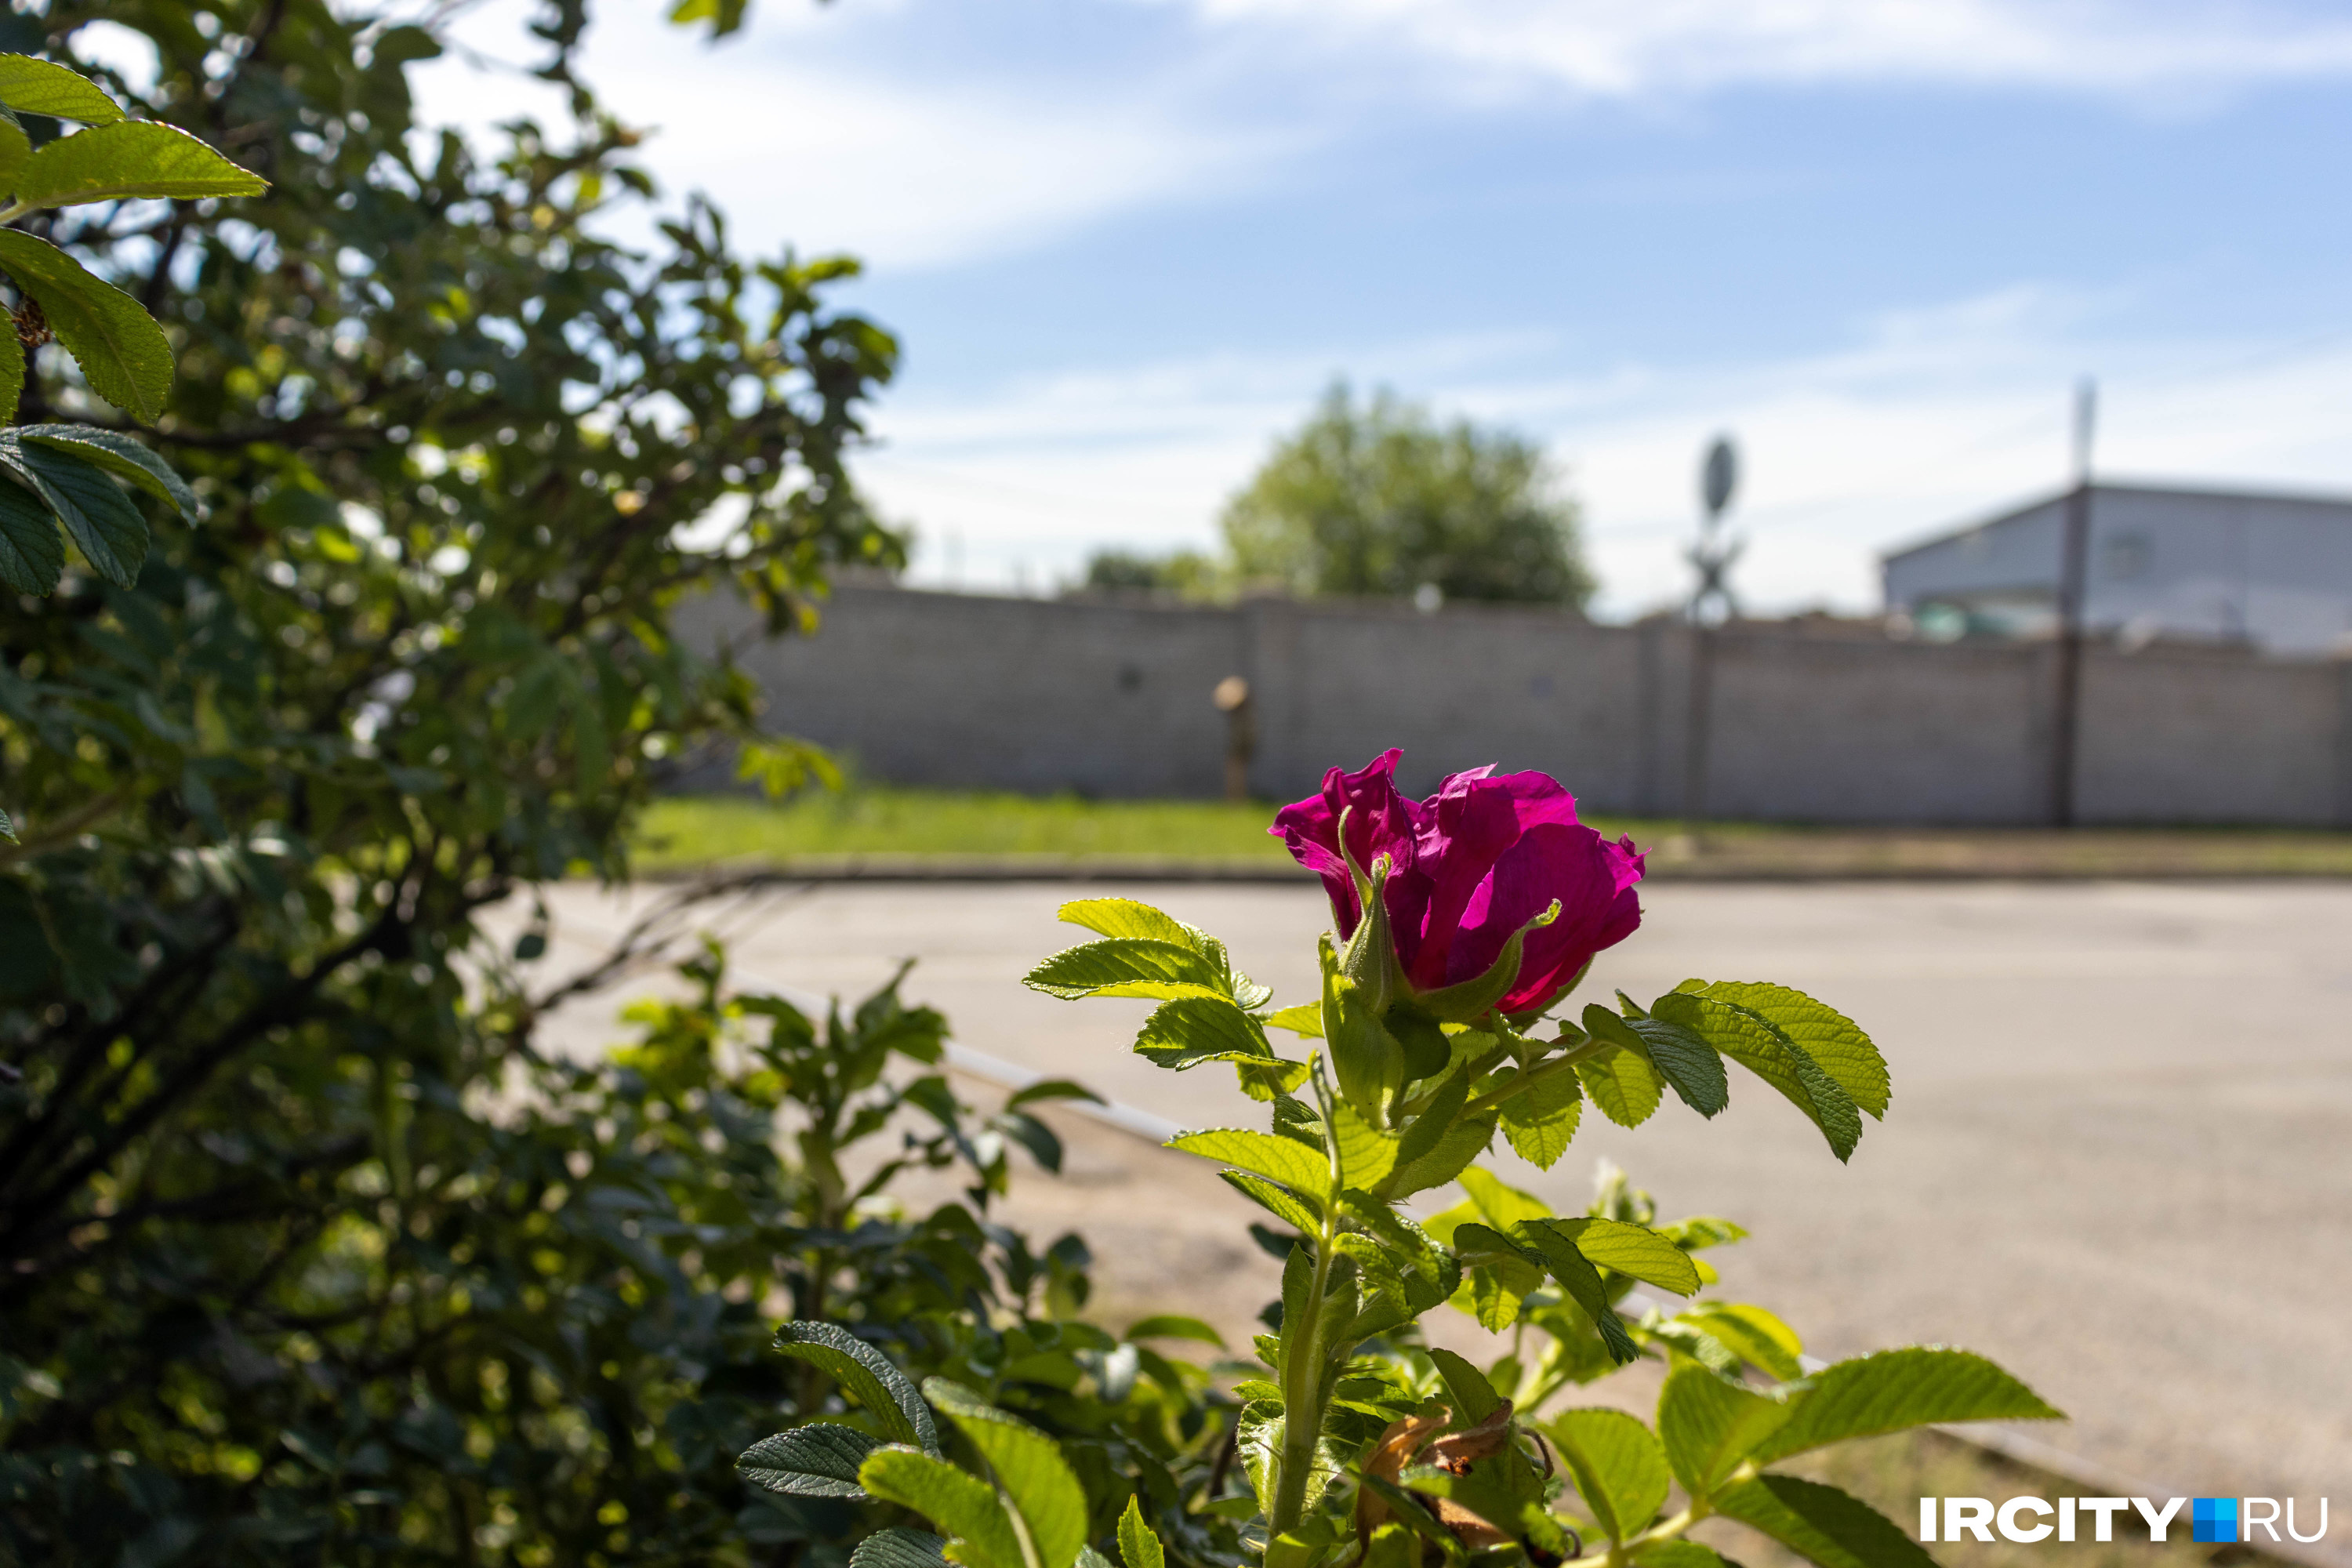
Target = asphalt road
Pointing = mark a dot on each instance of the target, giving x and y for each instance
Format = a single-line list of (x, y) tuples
[(2118, 1160)]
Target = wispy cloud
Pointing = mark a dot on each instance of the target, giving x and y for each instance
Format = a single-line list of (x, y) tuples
[(1926, 416), (1624, 47)]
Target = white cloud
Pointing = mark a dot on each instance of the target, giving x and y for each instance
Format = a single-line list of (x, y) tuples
[(1623, 48), (1930, 417), (798, 141)]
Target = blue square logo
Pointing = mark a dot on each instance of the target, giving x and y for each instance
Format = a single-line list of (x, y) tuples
[(2214, 1518)]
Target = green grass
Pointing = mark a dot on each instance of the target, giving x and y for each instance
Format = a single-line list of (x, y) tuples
[(686, 833), (870, 820)]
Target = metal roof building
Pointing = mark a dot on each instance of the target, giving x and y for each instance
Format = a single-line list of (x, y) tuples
[(2227, 566)]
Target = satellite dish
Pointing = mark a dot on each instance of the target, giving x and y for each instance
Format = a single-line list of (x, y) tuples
[(1719, 477)]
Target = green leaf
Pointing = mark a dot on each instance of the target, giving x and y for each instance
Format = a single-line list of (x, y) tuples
[(1630, 1249), (1367, 1153), (32, 86), (1621, 1083), (1503, 1207), (1617, 1464), (966, 1508), (1169, 1326), (1541, 1122), (15, 148), (819, 1460), (1750, 1333), (1306, 1018), (1189, 1030), (1052, 1088), (1666, 1554), (1128, 918), (1461, 1142), (131, 161), (898, 1547), (1475, 1398), (1417, 1252), (1277, 1201), (120, 456), (1138, 1547), (96, 514), (1285, 1160), (1821, 1523), (1752, 1041), (1582, 1280), (1820, 1031), (865, 1375), (1029, 1467), (32, 551), (12, 364), (1127, 966), (122, 352), (1896, 1389), (1710, 1425), (1684, 1059)]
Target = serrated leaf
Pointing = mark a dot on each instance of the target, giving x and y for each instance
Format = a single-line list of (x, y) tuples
[(1285, 1160), (123, 354), (1621, 1083), (1305, 1020), (31, 86), (1752, 1041), (120, 456), (1367, 1153), (966, 1508), (1473, 1397), (1824, 1033), (1462, 1143), (865, 1375), (1129, 918), (1190, 1030), (1752, 1335), (1502, 1205), (1417, 1252), (1893, 1390), (1710, 1425), (818, 1460), (898, 1547), (1682, 1057), (97, 515), (1542, 1122), (1277, 1201), (32, 551), (1821, 1523), (1127, 966), (12, 363), (15, 149), (133, 160), (1138, 1545), (1617, 1465), (1582, 1280), (1028, 1466), (1630, 1249)]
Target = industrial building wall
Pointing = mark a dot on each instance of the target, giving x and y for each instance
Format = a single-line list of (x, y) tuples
[(1113, 700)]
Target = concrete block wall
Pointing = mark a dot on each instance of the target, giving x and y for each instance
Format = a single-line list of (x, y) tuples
[(1113, 700)]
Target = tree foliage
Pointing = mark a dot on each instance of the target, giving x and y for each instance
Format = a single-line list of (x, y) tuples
[(257, 1240), (1379, 499)]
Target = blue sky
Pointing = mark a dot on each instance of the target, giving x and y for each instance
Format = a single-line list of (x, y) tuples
[(1127, 242)]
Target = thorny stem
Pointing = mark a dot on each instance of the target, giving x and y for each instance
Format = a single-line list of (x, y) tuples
[(1527, 1077)]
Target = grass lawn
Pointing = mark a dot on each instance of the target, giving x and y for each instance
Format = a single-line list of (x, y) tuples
[(866, 823)]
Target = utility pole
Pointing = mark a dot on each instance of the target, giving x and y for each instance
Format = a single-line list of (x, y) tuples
[(1711, 557), (2074, 571)]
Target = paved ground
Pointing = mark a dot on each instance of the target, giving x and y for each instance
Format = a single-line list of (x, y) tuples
[(2119, 1157)]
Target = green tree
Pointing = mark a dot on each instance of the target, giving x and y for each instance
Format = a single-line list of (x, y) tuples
[(1380, 500)]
